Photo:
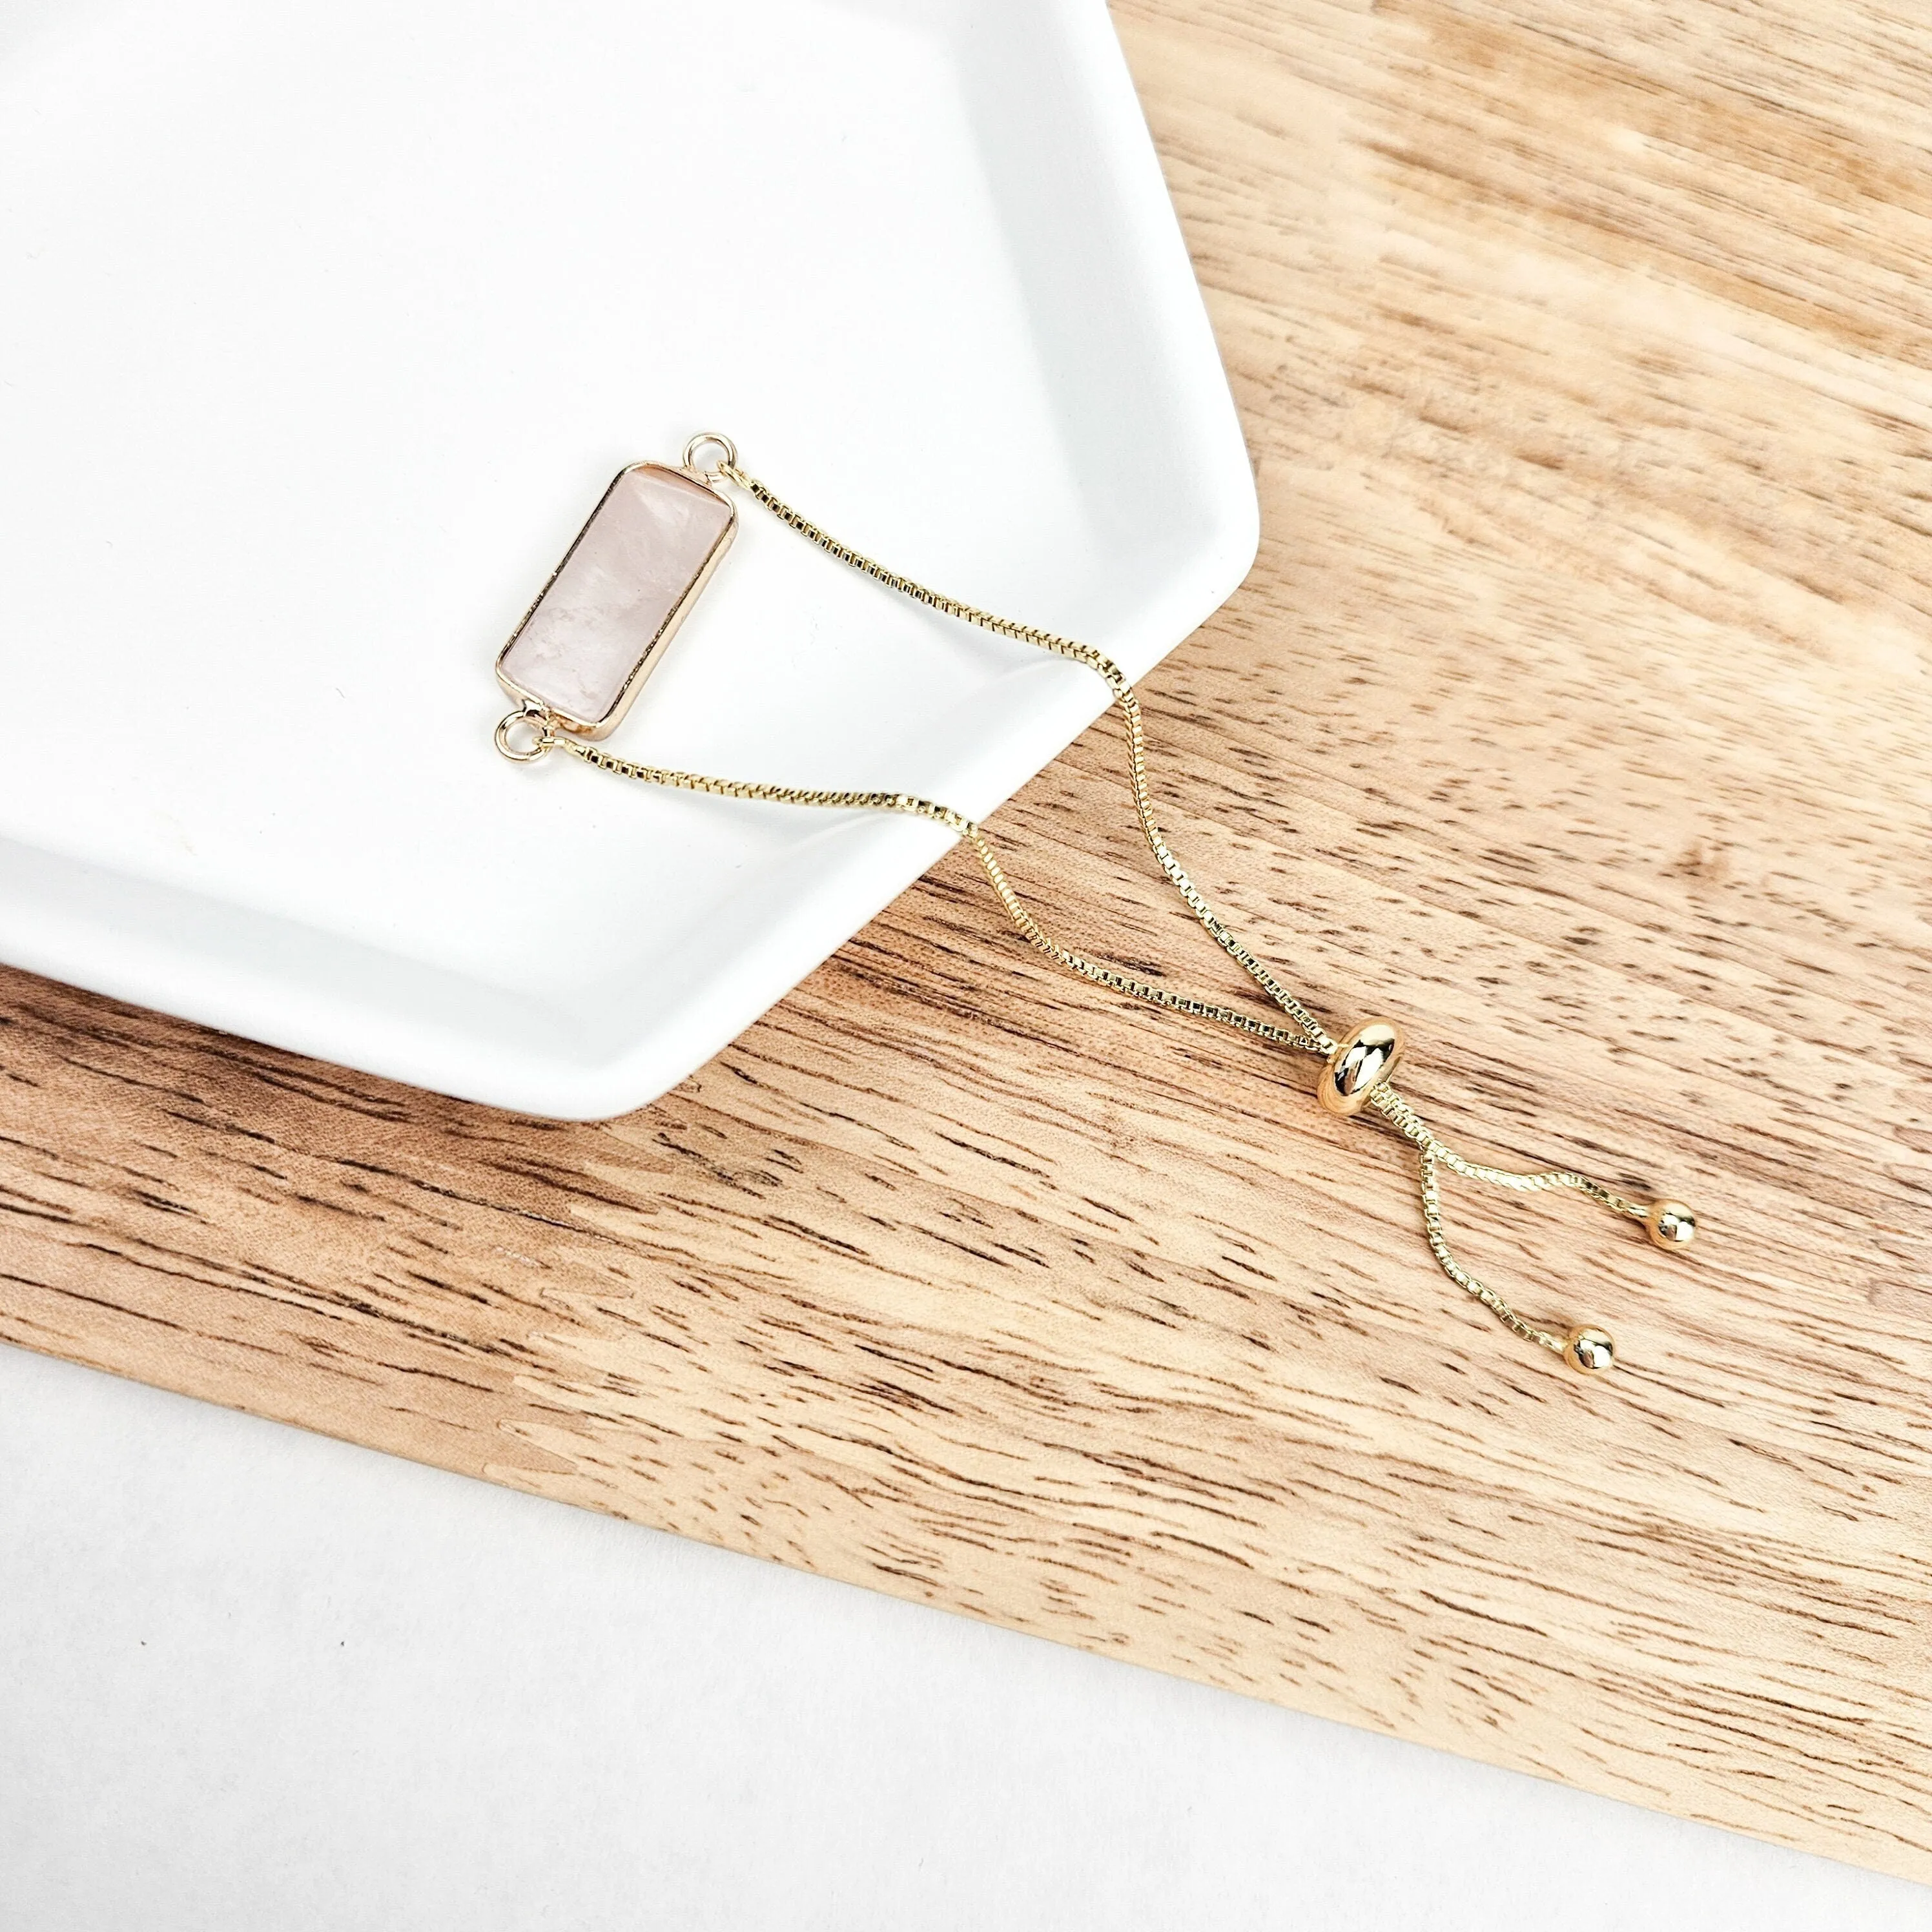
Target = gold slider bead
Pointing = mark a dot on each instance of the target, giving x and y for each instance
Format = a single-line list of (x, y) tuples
[(1670, 1224), (1590, 1349), (1359, 1066)]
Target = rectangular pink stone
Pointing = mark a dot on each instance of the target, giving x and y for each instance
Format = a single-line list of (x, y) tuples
[(601, 622)]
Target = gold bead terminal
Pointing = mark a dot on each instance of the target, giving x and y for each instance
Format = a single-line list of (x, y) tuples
[(1589, 1349), (1670, 1224)]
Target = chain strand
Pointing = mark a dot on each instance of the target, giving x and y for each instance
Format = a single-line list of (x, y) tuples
[(907, 804), (1312, 1034)]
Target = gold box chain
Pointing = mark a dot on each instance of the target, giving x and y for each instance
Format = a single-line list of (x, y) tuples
[(1356, 1071)]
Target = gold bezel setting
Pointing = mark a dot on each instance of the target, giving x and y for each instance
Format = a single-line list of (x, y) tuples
[(652, 652)]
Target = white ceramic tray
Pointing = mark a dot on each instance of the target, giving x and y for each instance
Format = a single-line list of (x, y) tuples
[(322, 325)]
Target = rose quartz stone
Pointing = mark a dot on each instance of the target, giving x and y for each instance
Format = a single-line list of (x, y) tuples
[(589, 639)]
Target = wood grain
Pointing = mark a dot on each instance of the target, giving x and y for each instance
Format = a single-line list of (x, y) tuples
[(1578, 711)]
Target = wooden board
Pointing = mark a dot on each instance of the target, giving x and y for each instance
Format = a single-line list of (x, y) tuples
[(1578, 711)]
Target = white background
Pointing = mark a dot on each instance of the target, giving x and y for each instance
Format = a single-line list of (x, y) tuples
[(254, 1680)]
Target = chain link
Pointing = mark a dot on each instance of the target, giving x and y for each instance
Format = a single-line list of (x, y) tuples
[(1305, 1034)]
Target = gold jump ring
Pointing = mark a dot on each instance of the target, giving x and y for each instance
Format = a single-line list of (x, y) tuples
[(715, 474), (537, 720)]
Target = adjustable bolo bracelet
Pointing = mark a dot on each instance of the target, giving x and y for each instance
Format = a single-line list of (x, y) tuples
[(598, 627)]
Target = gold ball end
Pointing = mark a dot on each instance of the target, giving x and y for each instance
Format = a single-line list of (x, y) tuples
[(1589, 1349), (1670, 1225)]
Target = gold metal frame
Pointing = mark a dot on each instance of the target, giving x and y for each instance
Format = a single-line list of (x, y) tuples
[(648, 658)]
